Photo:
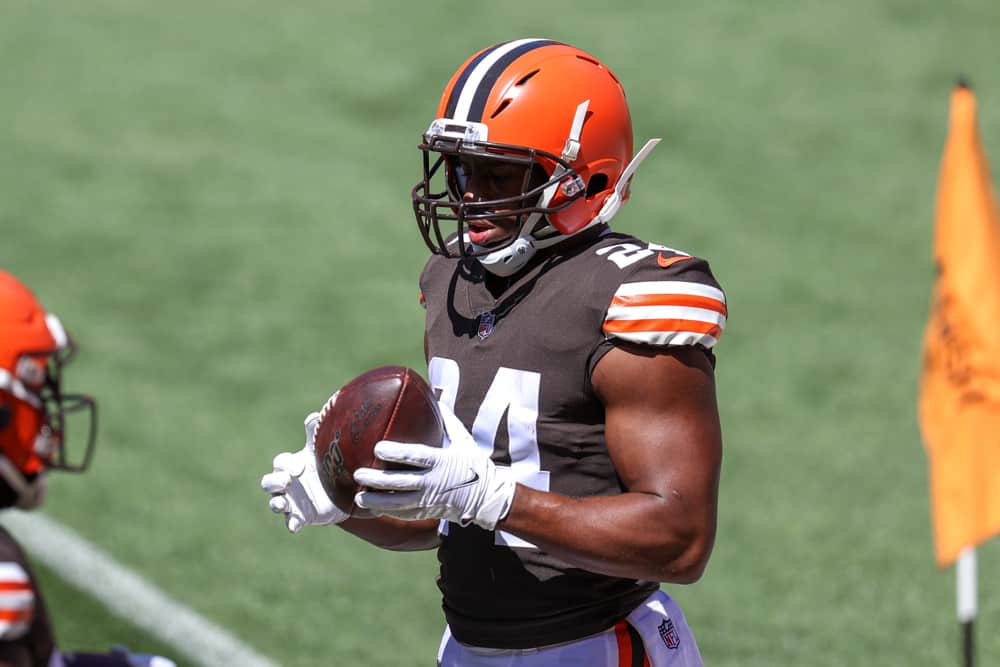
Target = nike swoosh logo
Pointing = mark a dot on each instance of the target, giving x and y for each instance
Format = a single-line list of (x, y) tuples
[(667, 261), (471, 480)]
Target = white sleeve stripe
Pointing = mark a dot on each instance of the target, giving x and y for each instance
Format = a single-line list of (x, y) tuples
[(670, 287), (15, 600), (665, 313), (12, 572)]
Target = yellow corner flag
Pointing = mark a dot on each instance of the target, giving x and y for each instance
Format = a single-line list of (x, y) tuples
[(959, 403)]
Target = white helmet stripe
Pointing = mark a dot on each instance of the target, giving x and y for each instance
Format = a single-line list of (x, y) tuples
[(474, 85)]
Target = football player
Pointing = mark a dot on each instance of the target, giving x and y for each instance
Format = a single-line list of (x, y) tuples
[(575, 369), (34, 409)]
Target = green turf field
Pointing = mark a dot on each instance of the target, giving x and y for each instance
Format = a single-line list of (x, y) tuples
[(84, 625), (214, 196)]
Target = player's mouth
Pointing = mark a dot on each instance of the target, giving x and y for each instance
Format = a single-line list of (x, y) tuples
[(482, 233)]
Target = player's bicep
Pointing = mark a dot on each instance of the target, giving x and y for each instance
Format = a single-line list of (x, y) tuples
[(662, 422)]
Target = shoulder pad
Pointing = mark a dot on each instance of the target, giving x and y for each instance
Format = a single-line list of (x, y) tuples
[(667, 298)]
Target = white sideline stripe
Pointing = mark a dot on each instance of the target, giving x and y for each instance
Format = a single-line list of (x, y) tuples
[(128, 595)]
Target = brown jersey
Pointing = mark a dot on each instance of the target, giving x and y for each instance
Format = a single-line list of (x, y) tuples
[(24, 621), (515, 363)]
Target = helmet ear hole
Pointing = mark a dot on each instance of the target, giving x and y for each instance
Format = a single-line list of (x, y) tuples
[(5, 414), (597, 184)]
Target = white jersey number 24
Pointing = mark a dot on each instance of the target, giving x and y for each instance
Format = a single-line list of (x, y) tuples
[(516, 393)]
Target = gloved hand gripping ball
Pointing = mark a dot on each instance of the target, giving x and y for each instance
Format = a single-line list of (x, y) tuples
[(386, 403)]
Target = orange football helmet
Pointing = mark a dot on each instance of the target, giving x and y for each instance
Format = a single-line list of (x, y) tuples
[(34, 348), (534, 102)]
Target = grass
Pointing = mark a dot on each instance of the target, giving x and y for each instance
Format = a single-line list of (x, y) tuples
[(85, 626), (214, 198)]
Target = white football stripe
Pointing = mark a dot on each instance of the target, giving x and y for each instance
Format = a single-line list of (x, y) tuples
[(478, 72), (128, 595), (665, 313), (670, 287)]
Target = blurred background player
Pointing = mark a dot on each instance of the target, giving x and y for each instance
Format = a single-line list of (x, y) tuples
[(575, 371), (34, 409)]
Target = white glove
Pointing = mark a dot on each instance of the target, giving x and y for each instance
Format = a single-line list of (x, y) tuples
[(458, 483), (295, 486)]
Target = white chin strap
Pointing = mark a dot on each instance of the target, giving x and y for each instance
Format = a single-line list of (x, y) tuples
[(512, 257), (11, 384), (509, 259), (617, 198)]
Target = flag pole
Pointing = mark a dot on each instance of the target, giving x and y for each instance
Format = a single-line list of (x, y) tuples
[(965, 574)]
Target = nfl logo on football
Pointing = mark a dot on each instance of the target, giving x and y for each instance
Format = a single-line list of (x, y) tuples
[(486, 321), (669, 635)]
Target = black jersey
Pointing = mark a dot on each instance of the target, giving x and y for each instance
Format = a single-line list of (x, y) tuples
[(515, 363), (24, 621)]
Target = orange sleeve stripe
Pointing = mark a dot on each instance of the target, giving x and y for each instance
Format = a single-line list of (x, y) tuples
[(639, 326), (15, 586), (689, 300)]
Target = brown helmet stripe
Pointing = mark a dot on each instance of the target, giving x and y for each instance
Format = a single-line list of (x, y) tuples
[(472, 88)]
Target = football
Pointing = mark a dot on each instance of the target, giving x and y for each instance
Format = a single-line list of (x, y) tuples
[(386, 403)]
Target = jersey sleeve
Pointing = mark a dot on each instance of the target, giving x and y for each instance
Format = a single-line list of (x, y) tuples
[(17, 601), (669, 299)]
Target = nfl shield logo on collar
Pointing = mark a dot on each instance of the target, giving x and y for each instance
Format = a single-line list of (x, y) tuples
[(669, 635), (486, 321)]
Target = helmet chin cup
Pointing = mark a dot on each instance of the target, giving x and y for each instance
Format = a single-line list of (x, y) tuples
[(510, 259)]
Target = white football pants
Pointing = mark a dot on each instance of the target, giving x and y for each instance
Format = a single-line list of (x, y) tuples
[(655, 634)]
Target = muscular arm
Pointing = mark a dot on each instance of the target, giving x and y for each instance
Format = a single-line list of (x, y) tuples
[(664, 438)]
